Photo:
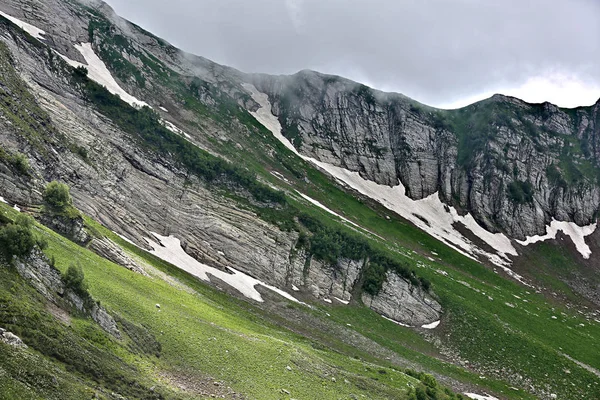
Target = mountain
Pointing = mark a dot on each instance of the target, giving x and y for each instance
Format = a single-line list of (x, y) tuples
[(366, 244)]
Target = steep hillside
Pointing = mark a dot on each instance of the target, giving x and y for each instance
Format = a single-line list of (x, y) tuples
[(355, 233)]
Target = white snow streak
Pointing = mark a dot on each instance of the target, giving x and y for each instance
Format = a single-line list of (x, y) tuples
[(169, 249), (98, 72), (432, 325), (345, 302), (320, 205), (2, 200), (396, 322), (480, 397), (575, 232), (32, 30), (440, 218), (174, 129)]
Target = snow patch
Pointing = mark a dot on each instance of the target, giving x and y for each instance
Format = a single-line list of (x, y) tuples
[(295, 288), (432, 325), (174, 129), (328, 301), (575, 232), (98, 72), (169, 249), (480, 397), (345, 302), (395, 199), (396, 322), (32, 30), (125, 239), (164, 109), (16, 207), (2, 200)]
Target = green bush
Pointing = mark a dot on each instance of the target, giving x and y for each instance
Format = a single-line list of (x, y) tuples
[(520, 192), (74, 279), (58, 196), (18, 160), (17, 239)]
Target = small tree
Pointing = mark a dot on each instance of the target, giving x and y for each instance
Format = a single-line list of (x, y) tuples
[(57, 195), (17, 239), (75, 280)]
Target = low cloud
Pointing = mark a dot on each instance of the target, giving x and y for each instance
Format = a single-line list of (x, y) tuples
[(437, 51)]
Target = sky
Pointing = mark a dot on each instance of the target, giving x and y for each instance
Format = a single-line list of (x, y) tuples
[(444, 53)]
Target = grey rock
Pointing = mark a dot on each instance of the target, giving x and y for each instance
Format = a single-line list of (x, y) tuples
[(401, 302), (111, 251), (11, 339), (73, 228)]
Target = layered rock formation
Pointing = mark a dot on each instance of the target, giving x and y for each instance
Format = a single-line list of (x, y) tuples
[(498, 159), (129, 189)]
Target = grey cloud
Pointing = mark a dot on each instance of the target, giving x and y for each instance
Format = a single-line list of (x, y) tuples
[(435, 51)]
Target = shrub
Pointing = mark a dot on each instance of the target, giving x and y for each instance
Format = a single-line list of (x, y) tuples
[(374, 277), (520, 192), (17, 239), (74, 279), (57, 195)]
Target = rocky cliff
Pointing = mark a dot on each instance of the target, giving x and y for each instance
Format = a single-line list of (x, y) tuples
[(121, 180), (514, 166)]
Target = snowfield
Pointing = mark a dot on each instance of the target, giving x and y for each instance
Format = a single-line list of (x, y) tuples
[(575, 232), (169, 249), (97, 71), (32, 30)]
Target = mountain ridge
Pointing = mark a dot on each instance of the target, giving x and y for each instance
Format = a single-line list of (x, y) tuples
[(270, 213)]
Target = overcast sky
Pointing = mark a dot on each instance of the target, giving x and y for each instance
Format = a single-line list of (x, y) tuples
[(445, 53)]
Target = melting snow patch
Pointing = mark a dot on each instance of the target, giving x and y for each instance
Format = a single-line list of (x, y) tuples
[(342, 301), (2, 200), (575, 232), (98, 72), (16, 207), (174, 129), (125, 239), (32, 30), (432, 325), (164, 109), (395, 199), (320, 205), (327, 301), (169, 249), (396, 322), (295, 288), (480, 397)]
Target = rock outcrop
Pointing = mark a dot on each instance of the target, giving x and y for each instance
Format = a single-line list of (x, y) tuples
[(112, 252), (47, 280), (402, 302), (11, 339)]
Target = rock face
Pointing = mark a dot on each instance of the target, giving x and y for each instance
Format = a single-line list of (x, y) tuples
[(47, 280), (497, 159), (109, 250), (131, 190), (70, 227), (402, 302)]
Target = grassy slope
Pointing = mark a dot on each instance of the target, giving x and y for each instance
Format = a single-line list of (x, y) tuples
[(203, 333)]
